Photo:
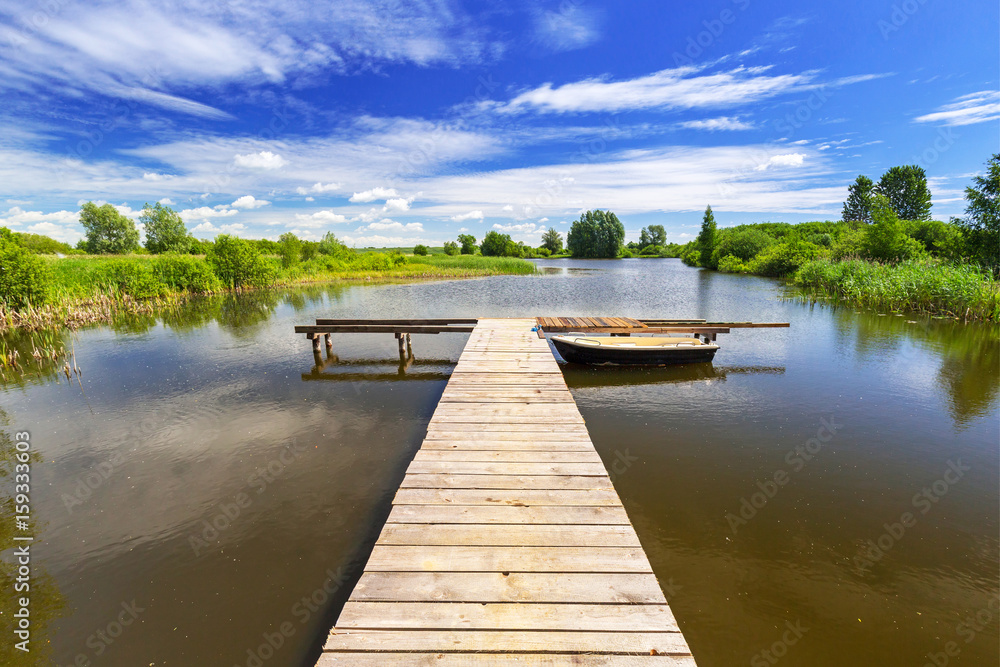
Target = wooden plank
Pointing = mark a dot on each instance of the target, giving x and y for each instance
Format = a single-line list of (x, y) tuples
[(386, 558), (506, 616), (544, 514), (562, 445), (507, 456), (600, 588), (511, 536), (440, 481), (379, 328), (526, 497), (439, 659), (503, 641), (484, 468), (439, 321)]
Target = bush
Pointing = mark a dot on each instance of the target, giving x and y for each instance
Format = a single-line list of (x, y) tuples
[(783, 258), (24, 278), (42, 245), (940, 239), (186, 273), (743, 244), (495, 244), (544, 252), (731, 264), (420, 250), (309, 250), (290, 249), (238, 263), (128, 277), (451, 248), (692, 257)]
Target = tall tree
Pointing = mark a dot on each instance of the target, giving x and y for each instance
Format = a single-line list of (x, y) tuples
[(290, 249), (906, 189), (983, 210), (552, 240), (706, 238), (657, 235), (108, 231), (644, 238), (468, 242), (495, 244), (165, 231), (596, 234), (859, 200)]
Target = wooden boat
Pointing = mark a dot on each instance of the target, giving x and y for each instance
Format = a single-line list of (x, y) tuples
[(633, 350)]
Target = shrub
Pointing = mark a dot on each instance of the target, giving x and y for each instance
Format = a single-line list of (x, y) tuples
[(24, 278), (732, 264), (450, 248), (290, 249), (238, 263), (885, 239), (128, 277), (186, 273), (309, 250), (783, 258), (692, 257), (544, 252), (420, 250), (495, 244), (651, 251), (744, 244)]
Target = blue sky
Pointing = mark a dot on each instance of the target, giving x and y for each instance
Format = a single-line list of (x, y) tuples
[(392, 123)]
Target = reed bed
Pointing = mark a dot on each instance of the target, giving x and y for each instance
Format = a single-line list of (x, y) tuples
[(942, 289)]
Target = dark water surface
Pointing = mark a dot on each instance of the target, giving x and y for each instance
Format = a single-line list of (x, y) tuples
[(204, 489)]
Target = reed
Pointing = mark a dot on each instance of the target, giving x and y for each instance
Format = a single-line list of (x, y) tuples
[(953, 290)]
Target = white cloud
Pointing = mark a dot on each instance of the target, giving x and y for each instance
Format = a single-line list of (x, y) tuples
[(720, 123), (318, 188), (319, 219), (508, 209), (379, 241), (471, 215), (543, 220), (373, 194), (392, 226), (206, 212), (310, 199), (462, 229), (261, 160), (208, 227), (166, 201), (572, 27), (397, 204), (249, 202), (966, 110), (153, 176), (785, 160), (527, 228)]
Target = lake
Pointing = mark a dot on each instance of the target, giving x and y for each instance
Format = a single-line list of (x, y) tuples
[(825, 494)]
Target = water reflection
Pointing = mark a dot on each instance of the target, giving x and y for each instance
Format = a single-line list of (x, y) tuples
[(583, 376)]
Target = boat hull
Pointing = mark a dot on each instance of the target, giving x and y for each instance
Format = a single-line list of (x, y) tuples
[(596, 355)]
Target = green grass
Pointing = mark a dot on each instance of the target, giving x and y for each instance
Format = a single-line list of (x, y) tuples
[(960, 291), (93, 288)]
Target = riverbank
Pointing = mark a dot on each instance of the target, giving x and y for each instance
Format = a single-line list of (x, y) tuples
[(90, 289)]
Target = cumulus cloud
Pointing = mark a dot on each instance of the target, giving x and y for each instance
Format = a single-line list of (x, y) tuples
[(209, 228), (318, 188), (249, 202), (261, 160), (471, 215), (379, 241), (153, 176), (979, 107), (18, 217), (508, 209), (319, 219), (526, 228), (206, 212), (396, 204), (166, 201), (373, 194)]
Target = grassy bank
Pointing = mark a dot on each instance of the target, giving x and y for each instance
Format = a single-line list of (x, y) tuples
[(960, 291), (86, 289)]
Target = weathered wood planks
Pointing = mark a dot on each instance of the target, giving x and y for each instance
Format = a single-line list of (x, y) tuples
[(507, 543)]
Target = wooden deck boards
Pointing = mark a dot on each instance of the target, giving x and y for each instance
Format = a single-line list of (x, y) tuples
[(507, 543)]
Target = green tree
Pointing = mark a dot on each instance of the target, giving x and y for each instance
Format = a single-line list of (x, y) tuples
[(165, 231), (495, 244), (906, 190), (239, 263), (884, 239), (468, 243), (645, 239), (552, 241), (450, 248), (420, 249), (331, 246), (596, 234), (290, 249), (108, 231), (706, 238), (657, 235), (859, 200), (24, 277), (983, 210)]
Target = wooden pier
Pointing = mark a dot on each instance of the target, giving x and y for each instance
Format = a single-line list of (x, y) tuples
[(506, 543)]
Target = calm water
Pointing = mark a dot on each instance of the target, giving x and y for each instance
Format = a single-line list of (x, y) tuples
[(205, 482)]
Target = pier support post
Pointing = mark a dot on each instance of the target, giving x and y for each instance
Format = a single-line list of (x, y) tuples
[(329, 341), (315, 341)]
